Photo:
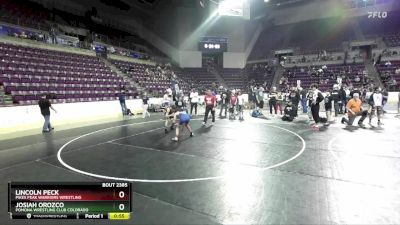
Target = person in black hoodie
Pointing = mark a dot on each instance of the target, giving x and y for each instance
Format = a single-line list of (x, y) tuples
[(343, 101), (337, 100), (385, 94), (180, 102), (272, 100), (289, 112), (355, 90), (328, 107), (294, 97), (317, 97), (45, 107)]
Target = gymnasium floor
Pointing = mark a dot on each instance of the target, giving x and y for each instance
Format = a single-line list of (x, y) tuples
[(254, 172)]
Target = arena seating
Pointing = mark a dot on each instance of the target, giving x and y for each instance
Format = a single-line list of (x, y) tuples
[(137, 72), (27, 14), (298, 37), (185, 84), (27, 72), (260, 74), (234, 78), (390, 70), (155, 79), (199, 77), (392, 40), (319, 51), (302, 73)]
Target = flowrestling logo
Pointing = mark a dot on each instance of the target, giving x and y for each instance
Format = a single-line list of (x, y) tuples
[(379, 15)]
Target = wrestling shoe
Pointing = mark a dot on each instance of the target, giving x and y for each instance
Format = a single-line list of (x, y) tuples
[(175, 139)]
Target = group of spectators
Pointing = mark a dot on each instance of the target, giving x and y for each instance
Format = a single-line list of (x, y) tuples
[(323, 75), (341, 99), (386, 53), (320, 57), (387, 78), (40, 36)]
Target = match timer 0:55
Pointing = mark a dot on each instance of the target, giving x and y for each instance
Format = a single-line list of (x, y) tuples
[(118, 216)]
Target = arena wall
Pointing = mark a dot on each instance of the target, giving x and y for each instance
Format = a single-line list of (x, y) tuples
[(20, 118)]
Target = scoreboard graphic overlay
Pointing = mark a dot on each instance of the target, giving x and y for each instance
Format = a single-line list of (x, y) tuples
[(90, 200)]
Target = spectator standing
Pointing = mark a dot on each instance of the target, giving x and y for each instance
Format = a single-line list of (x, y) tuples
[(328, 107), (260, 98), (272, 100), (194, 99), (337, 100), (45, 107), (225, 97), (241, 106), (121, 97), (303, 95), (210, 101), (294, 97), (180, 101), (376, 101), (317, 97), (280, 102), (145, 101), (385, 94), (343, 100), (167, 98)]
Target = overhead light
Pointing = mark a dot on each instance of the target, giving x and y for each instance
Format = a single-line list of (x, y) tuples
[(266, 0), (231, 7)]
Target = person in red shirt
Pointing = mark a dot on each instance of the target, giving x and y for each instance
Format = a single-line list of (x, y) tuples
[(210, 101)]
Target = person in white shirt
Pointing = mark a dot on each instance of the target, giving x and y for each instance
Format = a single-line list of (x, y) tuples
[(376, 102), (367, 99), (167, 99), (240, 105), (194, 99)]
